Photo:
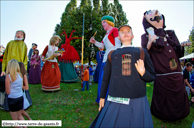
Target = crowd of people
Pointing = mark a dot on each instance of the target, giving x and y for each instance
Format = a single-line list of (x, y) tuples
[(122, 72)]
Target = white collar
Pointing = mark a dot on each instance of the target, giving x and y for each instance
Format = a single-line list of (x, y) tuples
[(126, 46)]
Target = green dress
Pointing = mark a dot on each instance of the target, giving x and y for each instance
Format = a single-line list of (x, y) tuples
[(68, 73), (15, 50)]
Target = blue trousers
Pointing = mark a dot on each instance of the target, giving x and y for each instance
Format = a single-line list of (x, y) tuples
[(87, 85)]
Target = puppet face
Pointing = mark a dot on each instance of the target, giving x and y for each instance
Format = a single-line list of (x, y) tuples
[(57, 42), (19, 35), (101, 49), (34, 47), (125, 34), (105, 25), (36, 52), (155, 18)]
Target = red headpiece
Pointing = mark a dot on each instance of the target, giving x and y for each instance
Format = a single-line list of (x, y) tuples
[(70, 54)]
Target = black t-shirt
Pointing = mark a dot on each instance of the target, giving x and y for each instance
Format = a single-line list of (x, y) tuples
[(186, 75)]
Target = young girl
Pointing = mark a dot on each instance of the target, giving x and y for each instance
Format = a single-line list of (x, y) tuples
[(13, 88), (50, 74), (26, 103), (35, 71)]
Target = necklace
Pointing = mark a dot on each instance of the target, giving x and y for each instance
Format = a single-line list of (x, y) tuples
[(163, 37), (53, 48)]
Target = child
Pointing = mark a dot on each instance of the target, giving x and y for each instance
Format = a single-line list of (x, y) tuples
[(35, 71), (13, 88), (25, 87), (86, 78), (127, 104), (50, 74)]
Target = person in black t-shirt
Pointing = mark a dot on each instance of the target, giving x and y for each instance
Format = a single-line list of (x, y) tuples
[(187, 76)]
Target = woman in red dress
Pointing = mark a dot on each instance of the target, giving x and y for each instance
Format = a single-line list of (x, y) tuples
[(51, 75)]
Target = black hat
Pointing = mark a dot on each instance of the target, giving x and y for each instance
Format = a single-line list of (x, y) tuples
[(34, 44)]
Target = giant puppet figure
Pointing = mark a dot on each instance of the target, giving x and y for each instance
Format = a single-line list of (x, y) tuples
[(68, 73), (170, 100), (15, 49), (50, 74), (110, 41)]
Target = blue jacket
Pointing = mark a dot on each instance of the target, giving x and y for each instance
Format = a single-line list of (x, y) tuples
[(192, 80)]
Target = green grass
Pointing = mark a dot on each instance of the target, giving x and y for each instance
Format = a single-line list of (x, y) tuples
[(77, 108)]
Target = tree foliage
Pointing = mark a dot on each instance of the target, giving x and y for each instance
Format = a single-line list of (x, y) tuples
[(72, 19), (190, 49)]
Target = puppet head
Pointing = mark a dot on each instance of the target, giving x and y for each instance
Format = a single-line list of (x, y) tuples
[(125, 34), (34, 45), (153, 18), (20, 35), (107, 22), (36, 52), (55, 40), (68, 40)]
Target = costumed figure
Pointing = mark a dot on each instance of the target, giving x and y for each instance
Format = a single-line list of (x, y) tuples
[(68, 73), (127, 70), (110, 41), (15, 49), (35, 71), (99, 58), (1, 60), (170, 100), (50, 74), (34, 46)]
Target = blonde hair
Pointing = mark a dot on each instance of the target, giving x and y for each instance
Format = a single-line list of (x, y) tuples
[(12, 69), (110, 23), (54, 39)]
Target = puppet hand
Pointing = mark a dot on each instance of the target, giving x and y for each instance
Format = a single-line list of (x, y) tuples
[(43, 59), (92, 40), (101, 104), (56, 54), (140, 67), (152, 38), (192, 90), (2, 73)]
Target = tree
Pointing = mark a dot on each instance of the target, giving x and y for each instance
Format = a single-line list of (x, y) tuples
[(190, 49), (72, 19)]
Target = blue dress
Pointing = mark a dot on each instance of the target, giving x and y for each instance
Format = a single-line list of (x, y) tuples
[(99, 58)]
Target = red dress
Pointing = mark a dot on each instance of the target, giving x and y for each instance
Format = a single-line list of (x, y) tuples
[(50, 74)]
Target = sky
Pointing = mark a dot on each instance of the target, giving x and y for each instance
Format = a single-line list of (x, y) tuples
[(39, 18)]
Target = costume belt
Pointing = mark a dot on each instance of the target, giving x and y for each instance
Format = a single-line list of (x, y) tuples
[(119, 100), (168, 73)]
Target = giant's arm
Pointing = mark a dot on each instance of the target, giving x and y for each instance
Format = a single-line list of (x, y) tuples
[(117, 41), (4, 63)]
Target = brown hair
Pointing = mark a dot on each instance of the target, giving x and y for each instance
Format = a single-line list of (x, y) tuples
[(34, 51), (22, 68), (54, 39)]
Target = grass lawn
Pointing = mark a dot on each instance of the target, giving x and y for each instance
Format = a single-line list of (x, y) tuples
[(79, 109)]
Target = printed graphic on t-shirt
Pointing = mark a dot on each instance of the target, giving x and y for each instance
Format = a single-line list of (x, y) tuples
[(126, 64)]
